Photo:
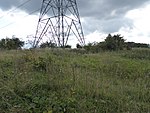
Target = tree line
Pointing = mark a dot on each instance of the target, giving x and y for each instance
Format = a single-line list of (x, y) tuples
[(114, 43), (111, 43)]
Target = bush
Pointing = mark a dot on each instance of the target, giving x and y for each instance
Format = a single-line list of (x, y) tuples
[(9, 44)]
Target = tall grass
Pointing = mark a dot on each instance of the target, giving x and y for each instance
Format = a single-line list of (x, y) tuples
[(62, 81)]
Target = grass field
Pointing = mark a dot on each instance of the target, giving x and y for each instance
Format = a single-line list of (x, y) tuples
[(63, 81)]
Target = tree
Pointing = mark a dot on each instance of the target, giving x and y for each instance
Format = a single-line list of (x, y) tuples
[(88, 47), (131, 45), (13, 43), (78, 46), (92, 47), (67, 46), (115, 42), (48, 45)]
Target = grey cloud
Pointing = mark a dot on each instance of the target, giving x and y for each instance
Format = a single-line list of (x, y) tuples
[(116, 24), (109, 26), (29, 7), (7, 4), (88, 8), (102, 15), (104, 8), (108, 16)]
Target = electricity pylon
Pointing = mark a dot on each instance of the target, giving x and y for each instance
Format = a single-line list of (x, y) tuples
[(58, 21)]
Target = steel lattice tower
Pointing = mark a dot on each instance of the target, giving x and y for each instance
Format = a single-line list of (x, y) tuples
[(58, 20)]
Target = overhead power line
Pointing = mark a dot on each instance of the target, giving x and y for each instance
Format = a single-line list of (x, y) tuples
[(22, 18), (19, 6)]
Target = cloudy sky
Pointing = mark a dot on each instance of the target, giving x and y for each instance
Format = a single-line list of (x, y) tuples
[(130, 18)]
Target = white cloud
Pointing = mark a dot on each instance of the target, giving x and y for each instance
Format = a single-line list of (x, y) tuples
[(95, 36), (17, 23), (141, 30)]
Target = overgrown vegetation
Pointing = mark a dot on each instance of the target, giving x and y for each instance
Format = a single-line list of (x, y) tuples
[(113, 43), (67, 81), (11, 43)]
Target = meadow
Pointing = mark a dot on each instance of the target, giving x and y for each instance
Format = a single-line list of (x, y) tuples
[(68, 81)]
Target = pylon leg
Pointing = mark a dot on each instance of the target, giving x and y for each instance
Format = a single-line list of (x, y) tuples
[(58, 20)]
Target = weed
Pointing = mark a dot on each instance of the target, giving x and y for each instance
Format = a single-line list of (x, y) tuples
[(65, 81)]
